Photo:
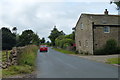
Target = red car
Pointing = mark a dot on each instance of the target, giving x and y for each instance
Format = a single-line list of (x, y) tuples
[(43, 48)]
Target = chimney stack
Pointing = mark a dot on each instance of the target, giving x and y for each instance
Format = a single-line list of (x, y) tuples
[(106, 12)]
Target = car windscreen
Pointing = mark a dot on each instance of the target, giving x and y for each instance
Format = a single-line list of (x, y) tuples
[(43, 46)]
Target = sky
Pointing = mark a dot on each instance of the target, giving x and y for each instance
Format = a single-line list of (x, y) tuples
[(42, 15)]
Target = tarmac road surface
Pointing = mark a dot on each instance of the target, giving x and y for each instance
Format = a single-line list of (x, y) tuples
[(54, 64)]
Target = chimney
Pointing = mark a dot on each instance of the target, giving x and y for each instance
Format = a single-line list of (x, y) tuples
[(106, 12)]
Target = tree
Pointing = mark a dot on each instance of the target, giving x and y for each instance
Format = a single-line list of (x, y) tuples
[(42, 40), (35, 39), (62, 33), (63, 41), (28, 37), (14, 30), (54, 34), (71, 36), (117, 3), (8, 39), (47, 42), (15, 33), (66, 41)]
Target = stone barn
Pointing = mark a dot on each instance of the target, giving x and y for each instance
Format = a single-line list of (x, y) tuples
[(93, 30)]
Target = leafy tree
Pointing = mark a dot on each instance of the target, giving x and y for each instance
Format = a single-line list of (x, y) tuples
[(8, 39), (62, 33), (17, 39), (28, 37), (42, 40), (117, 3), (54, 34), (71, 36), (63, 41), (14, 30), (47, 42), (15, 33), (35, 39), (66, 41)]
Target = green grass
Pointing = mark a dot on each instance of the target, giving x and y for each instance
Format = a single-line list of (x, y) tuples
[(4, 55), (14, 70), (26, 62), (28, 56), (64, 51), (113, 61)]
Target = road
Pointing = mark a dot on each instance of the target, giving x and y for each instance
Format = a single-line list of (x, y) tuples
[(54, 64)]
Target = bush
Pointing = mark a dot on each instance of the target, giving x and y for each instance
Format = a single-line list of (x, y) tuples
[(65, 45), (63, 42), (109, 48)]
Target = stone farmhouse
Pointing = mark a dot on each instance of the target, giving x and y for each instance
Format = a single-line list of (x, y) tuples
[(93, 30)]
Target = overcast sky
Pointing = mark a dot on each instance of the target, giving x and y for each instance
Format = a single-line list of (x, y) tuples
[(42, 15)]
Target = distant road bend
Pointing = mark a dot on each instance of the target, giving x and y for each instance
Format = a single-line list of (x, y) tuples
[(54, 64)]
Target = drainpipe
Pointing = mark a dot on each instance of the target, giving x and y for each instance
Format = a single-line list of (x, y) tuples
[(93, 35)]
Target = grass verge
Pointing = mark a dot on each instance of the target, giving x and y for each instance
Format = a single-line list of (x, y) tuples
[(28, 56), (113, 61), (26, 62), (64, 51), (14, 70), (4, 55)]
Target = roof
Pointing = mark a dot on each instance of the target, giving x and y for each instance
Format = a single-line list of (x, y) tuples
[(95, 15), (100, 15)]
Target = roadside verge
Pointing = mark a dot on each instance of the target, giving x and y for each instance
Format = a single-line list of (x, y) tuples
[(25, 63)]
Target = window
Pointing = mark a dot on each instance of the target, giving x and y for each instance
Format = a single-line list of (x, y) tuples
[(106, 29), (81, 26)]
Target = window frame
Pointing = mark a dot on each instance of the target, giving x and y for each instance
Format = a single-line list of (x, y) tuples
[(106, 29), (81, 26)]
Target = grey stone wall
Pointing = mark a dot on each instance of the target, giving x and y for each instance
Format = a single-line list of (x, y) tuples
[(100, 37), (83, 36), (12, 58)]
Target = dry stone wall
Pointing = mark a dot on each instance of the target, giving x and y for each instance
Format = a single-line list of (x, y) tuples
[(12, 57)]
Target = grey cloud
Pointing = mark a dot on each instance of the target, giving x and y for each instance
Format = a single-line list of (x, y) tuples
[(41, 17)]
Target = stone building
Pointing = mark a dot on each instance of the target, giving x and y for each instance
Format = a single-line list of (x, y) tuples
[(93, 30)]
